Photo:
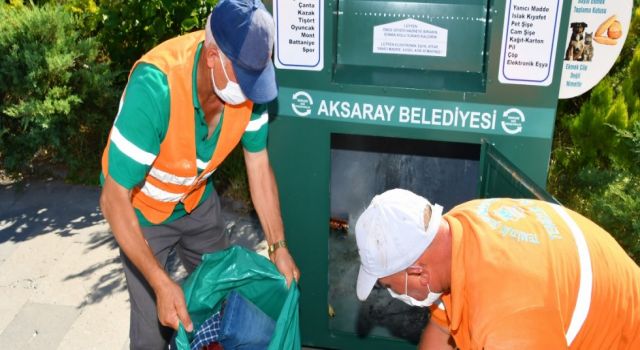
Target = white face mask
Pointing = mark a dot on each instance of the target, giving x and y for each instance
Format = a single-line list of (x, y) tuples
[(405, 298), (231, 94)]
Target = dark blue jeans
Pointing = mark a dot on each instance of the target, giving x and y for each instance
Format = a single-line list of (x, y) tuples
[(244, 325)]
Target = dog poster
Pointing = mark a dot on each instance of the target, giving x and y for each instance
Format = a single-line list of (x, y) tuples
[(596, 33)]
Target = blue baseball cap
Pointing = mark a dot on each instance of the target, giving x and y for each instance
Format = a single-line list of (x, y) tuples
[(244, 30)]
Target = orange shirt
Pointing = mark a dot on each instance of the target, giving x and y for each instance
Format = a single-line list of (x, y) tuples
[(516, 275)]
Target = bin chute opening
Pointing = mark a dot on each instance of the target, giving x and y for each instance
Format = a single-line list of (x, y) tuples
[(361, 167)]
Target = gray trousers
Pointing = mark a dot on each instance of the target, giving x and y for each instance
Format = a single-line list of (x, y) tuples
[(193, 235)]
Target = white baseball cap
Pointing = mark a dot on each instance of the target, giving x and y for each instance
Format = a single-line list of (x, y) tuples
[(391, 235)]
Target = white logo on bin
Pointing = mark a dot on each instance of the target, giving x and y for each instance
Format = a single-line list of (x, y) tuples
[(302, 103), (514, 120)]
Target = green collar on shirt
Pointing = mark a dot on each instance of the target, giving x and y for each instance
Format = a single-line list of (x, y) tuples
[(194, 77)]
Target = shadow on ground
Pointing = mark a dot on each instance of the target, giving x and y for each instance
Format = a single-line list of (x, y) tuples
[(34, 208), (31, 209)]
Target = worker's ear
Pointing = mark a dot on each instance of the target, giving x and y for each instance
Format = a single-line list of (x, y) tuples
[(211, 55), (414, 269), (424, 278), (425, 275)]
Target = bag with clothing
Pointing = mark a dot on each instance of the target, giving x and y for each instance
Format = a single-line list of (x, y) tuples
[(246, 279)]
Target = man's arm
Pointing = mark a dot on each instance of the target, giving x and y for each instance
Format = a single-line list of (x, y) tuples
[(264, 194), (435, 337), (115, 202)]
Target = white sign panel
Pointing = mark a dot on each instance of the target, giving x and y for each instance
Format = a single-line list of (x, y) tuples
[(410, 37), (299, 29), (596, 33), (529, 42)]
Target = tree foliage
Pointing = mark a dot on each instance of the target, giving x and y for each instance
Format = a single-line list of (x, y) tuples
[(65, 62), (129, 28), (55, 90), (595, 167)]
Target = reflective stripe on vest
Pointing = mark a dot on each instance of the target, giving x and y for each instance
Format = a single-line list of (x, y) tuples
[(160, 195), (583, 300), (166, 196), (171, 178)]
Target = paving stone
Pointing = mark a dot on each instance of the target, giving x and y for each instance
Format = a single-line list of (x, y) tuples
[(12, 298), (38, 326), (103, 325)]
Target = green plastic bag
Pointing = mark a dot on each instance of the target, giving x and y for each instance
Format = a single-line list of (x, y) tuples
[(257, 279)]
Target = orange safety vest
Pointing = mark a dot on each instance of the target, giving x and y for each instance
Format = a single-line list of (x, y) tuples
[(173, 176)]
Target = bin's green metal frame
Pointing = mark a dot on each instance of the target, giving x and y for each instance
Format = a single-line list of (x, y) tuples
[(300, 146)]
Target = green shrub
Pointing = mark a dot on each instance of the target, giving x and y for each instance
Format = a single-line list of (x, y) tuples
[(611, 197), (85, 11), (128, 28), (56, 95), (595, 167), (602, 109), (595, 163), (231, 178)]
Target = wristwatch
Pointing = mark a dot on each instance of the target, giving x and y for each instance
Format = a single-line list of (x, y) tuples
[(279, 244)]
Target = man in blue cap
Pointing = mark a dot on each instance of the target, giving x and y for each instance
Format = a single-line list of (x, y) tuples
[(188, 103)]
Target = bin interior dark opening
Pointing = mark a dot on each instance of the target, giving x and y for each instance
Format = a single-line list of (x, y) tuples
[(361, 167)]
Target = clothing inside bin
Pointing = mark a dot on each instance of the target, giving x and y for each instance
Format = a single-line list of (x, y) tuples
[(238, 325)]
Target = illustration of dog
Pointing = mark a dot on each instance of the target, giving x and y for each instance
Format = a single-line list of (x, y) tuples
[(576, 45)]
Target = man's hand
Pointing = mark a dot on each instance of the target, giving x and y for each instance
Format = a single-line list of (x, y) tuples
[(285, 264), (172, 307)]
